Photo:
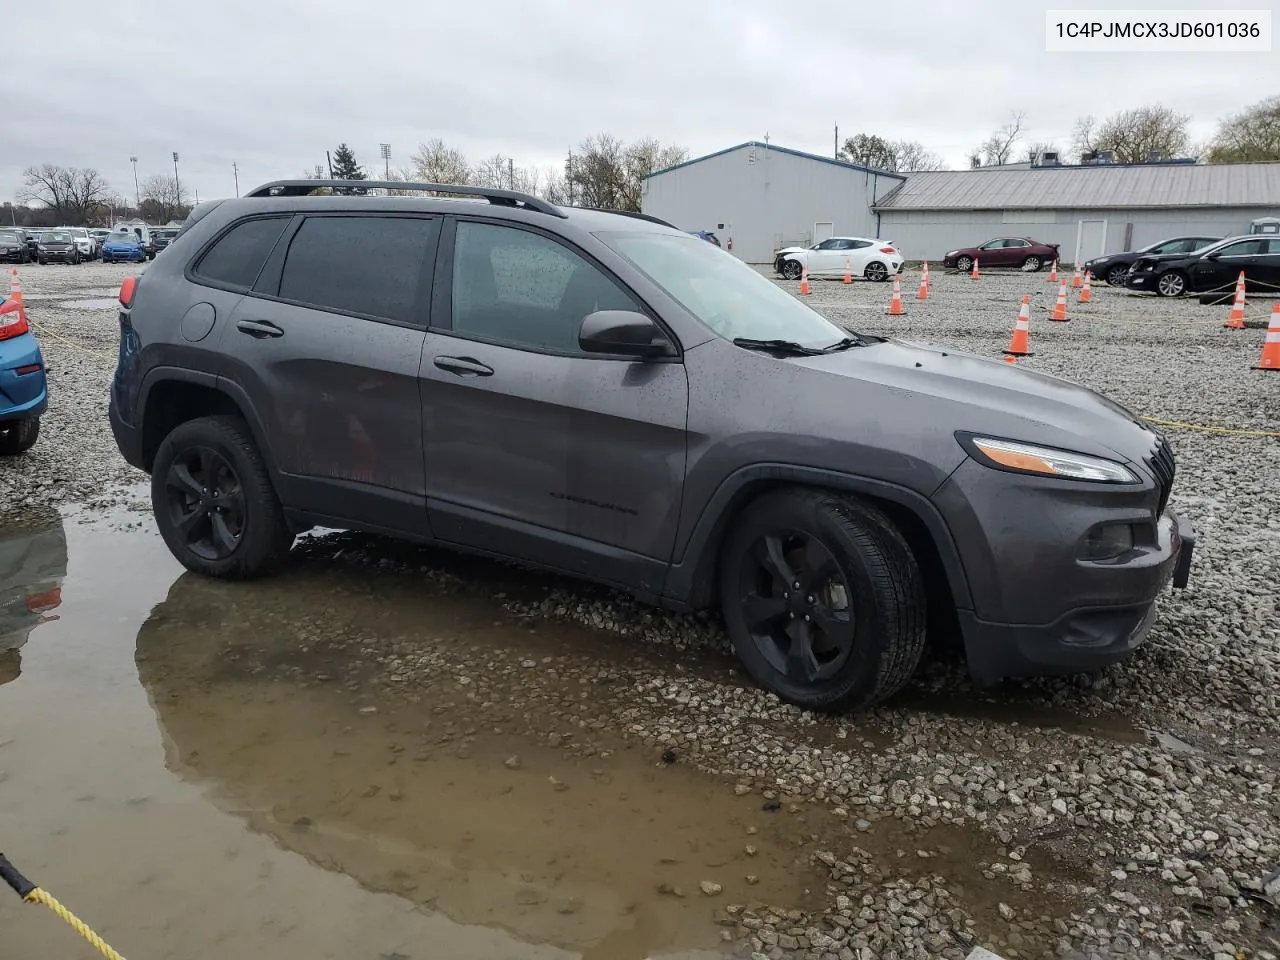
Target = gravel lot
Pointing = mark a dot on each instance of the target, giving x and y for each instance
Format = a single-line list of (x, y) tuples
[(1132, 813)]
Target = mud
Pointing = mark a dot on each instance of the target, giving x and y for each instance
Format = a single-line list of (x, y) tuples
[(347, 762)]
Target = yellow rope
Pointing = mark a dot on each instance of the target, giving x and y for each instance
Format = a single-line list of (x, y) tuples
[(1196, 426), (39, 896)]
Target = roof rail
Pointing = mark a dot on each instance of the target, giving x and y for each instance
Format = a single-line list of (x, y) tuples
[(505, 198), (629, 213)]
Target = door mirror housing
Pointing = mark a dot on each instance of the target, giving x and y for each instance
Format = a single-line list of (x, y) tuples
[(623, 333)]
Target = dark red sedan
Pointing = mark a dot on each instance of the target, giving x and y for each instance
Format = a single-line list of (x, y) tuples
[(1020, 252)]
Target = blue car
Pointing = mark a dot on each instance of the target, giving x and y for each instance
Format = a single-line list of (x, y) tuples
[(24, 392), (124, 247)]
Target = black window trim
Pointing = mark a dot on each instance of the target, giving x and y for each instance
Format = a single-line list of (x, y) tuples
[(269, 278), (1240, 243), (192, 272), (442, 294)]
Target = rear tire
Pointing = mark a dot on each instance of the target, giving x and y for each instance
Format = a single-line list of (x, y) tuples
[(1032, 264), (876, 272), (854, 632), (214, 503), (1117, 276), (18, 436)]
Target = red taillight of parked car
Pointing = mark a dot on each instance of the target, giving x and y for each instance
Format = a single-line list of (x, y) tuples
[(127, 289), (13, 320), (888, 250)]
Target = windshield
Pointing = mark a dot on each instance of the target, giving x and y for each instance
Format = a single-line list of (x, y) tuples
[(80, 232), (60, 236), (8, 236), (731, 298), (122, 238)]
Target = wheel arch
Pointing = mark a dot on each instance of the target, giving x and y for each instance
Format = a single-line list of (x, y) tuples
[(691, 581), (172, 396)]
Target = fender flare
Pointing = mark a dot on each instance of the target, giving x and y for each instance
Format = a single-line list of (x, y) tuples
[(229, 389), (689, 578)]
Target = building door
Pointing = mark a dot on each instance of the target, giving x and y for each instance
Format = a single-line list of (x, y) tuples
[(823, 231), (1091, 240)]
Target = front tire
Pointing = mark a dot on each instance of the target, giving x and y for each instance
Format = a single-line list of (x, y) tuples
[(853, 630), (214, 503), (1171, 284), (1118, 276), (791, 270), (964, 264), (18, 436)]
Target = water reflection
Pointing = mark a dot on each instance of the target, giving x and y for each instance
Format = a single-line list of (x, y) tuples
[(33, 563)]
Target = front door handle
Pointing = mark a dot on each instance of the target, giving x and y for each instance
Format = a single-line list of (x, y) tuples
[(464, 366), (259, 329)]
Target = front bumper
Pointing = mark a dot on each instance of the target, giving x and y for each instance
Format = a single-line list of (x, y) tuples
[(1083, 638), (1142, 281), (13, 256), (65, 256)]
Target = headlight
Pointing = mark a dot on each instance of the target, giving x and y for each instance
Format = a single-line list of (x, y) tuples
[(951, 253), (1046, 461)]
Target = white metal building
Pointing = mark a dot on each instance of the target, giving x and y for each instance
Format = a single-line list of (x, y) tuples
[(763, 197), (1087, 210)]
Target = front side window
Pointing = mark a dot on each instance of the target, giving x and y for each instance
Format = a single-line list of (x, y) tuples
[(523, 289), (239, 255), (369, 265), (1245, 248), (730, 298)]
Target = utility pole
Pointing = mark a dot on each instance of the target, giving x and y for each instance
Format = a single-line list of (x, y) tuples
[(329, 160), (137, 194), (837, 151), (568, 176), (511, 172), (177, 184), (236, 171)]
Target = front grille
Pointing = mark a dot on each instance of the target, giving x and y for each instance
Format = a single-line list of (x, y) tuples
[(1162, 468)]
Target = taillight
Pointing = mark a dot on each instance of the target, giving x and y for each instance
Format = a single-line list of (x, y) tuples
[(29, 368), (13, 320), (127, 289), (888, 250)]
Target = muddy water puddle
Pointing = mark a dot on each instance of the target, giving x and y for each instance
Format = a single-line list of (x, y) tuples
[(346, 762), (91, 303)]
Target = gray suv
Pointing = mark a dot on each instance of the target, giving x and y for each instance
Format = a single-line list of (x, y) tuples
[(604, 395)]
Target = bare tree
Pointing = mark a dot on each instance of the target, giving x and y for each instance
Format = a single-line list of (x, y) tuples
[(434, 162), (870, 150), (68, 192), (998, 147), (608, 173), (641, 159), (1250, 136), (502, 172), (162, 201), (1133, 135), (912, 157)]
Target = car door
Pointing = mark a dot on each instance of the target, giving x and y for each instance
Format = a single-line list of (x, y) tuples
[(326, 348), (827, 258), (992, 254), (534, 449), (1221, 268), (1267, 269)]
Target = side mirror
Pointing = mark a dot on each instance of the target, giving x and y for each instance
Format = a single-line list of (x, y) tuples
[(623, 333), (1213, 256)]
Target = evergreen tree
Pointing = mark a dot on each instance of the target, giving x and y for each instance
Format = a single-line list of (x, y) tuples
[(345, 165)]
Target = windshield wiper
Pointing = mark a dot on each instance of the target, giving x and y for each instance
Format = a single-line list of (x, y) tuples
[(777, 346), (845, 344)]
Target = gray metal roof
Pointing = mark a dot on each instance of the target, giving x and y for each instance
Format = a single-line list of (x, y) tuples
[(1139, 185)]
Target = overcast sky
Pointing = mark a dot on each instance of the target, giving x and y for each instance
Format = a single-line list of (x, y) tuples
[(270, 84)]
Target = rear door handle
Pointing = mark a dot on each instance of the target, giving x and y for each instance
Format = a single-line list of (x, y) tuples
[(464, 366), (259, 329)]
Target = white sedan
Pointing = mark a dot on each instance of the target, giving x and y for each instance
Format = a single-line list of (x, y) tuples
[(875, 260)]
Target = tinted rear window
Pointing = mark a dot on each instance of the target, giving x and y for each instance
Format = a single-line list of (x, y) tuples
[(239, 255), (368, 265)]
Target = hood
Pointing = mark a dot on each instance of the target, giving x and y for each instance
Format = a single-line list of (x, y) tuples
[(993, 397), (792, 250)]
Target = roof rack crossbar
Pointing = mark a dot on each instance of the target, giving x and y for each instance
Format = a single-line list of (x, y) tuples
[(300, 188)]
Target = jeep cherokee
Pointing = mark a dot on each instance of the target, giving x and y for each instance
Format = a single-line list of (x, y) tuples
[(604, 395)]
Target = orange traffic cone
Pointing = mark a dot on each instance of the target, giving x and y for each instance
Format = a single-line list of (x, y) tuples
[(1020, 345), (848, 274), (927, 279), (15, 287), (804, 281), (895, 305), (923, 292), (1236, 320), (1271, 347), (1086, 293), (1053, 274), (1060, 308), (974, 275), (1076, 282)]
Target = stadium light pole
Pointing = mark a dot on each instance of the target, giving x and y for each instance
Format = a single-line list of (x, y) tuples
[(177, 186), (386, 160), (137, 194)]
